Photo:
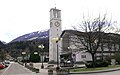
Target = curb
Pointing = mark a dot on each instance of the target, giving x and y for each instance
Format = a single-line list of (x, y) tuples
[(100, 71)]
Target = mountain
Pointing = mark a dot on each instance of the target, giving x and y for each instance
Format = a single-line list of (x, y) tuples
[(2, 44), (38, 35), (29, 43)]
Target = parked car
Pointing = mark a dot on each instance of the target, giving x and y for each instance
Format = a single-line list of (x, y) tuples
[(7, 63), (2, 66)]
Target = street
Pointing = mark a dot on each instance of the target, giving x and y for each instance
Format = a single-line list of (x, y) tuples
[(16, 69)]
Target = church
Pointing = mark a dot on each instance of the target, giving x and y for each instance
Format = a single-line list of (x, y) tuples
[(61, 42)]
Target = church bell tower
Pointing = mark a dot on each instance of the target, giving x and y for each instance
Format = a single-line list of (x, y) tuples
[(54, 32)]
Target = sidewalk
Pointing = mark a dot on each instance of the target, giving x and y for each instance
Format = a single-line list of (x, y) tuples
[(46, 68), (53, 66), (38, 66), (99, 71)]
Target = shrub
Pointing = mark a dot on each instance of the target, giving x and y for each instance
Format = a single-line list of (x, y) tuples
[(34, 57), (116, 56), (97, 64), (108, 59)]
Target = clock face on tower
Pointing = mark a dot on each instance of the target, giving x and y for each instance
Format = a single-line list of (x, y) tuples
[(57, 24)]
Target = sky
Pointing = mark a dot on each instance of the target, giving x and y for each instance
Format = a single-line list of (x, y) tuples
[(19, 17)]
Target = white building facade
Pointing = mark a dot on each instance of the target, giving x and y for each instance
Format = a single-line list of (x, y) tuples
[(72, 45)]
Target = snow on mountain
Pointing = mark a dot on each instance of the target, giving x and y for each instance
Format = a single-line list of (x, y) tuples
[(38, 35), (33, 38)]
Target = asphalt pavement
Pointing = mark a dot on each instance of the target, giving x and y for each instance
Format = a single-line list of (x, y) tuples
[(17, 69)]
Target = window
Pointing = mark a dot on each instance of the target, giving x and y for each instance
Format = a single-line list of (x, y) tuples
[(55, 14), (83, 56)]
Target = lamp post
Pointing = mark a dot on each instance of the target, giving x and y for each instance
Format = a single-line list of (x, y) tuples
[(73, 57), (41, 47), (57, 68), (57, 40), (69, 48), (24, 53)]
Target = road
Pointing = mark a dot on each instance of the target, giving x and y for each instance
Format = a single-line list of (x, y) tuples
[(1, 71), (17, 69)]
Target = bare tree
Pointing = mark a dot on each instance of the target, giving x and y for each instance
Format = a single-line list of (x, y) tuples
[(93, 30)]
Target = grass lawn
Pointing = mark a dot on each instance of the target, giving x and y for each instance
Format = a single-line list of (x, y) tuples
[(93, 69)]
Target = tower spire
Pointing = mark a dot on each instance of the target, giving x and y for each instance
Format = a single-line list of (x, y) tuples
[(55, 5)]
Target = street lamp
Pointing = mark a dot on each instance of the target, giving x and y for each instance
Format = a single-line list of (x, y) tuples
[(35, 53), (41, 47), (73, 60), (24, 53), (69, 48), (57, 57), (56, 40)]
